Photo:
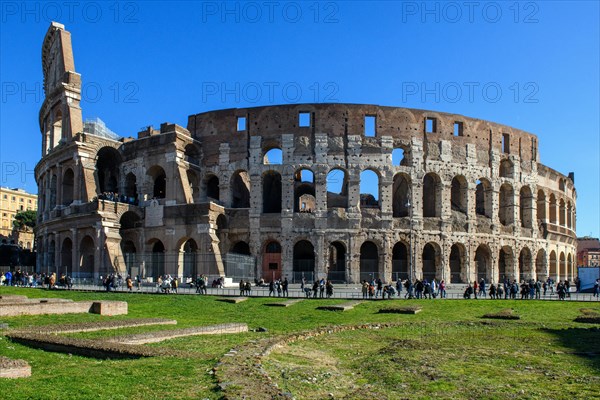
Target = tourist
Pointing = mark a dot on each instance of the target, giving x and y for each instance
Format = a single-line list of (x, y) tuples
[(379, 287), (278, 287), (468, 292), (322, 288), (365, 289), (271, 288), (475, 287), (315, 289), (242, 287), (284, 287), (129, 283), (492, 291), (399, 287), (174, 284), (442, 289), (597, 288), (248, 288), (329, 289), (482, 292), (500, 291)]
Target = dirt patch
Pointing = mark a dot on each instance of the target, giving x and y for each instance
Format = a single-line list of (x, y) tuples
[(10, 368)]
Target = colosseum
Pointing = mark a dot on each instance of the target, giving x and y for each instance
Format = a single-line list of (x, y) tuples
[(344, 191)]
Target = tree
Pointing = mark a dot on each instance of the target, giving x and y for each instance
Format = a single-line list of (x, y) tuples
[(25, 219)]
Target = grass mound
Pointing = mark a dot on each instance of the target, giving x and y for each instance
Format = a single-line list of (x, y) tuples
[(507, 313), (589, 316)]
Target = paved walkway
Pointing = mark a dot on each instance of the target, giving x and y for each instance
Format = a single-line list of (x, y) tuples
[(341, 291)]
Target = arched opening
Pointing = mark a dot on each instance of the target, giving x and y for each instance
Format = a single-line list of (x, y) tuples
[(241, 247), (525, 265), (159, 182), (369, 261), (457, 264), (400, 157), (506, 264), (57, 131), (86, 253), (108, 162), (337, 262), (273, 157), (271, 192), (369, 189), (131, 188), (400, 262), (194, 182), (432, 195), (483, 198), (562, 267), (506, 169), (271, 267), (541, 206), (157, 260), (552, 209), (337, 189), (553, 269), (52, 257), (68, 187), (222, 233), (401, 196), (240, 190), (304, 191), (526, 207), (304, 261), (212, 187), (506, 205), (192, 154), (190, 258), (561, 213), (53, 192), (569, 215), (129, 220), (483, 261), (66, 257), (431, 261), (458, 195), (570, 271), (540, 265)]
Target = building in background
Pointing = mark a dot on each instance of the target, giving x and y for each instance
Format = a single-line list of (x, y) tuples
[(588, 252), (13, 201)]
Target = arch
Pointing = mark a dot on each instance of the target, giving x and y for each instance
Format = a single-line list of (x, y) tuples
[(400, 157), (129, 220), (156, 266), (337, 188), (66, 256), (192, 154), (108, 161), (131, 188), (526, 207), (506, 205), (159, 181), (273, 156), (431, 258), (432, 195), (541, 206), (190, 258), (241, 247), (53, 188), (304, 190), (57, 129), (400, 262), (271, 265), (483, 198), (337, 262), (506, 264), (526, 269), (303, 261), (401, 196), (483, 262), (458, 259), (369, 189), (570, 270), (222, 231), (541, 265), (553, 270), (459, 194), (68, 187), (87, 249), (569, 215), (562, 267), (369, 261), (52, 256), (211, 184), (271, 192), (240, 189), (561, 213), (552, 208), (506, 169), (130, 256)]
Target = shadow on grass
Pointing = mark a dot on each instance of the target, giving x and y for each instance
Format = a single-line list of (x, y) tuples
[(583, 342)]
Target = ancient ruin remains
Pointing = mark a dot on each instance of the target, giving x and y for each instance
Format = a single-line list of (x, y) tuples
[(280, 191)]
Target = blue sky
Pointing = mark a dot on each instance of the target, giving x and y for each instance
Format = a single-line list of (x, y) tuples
[(531, 65)]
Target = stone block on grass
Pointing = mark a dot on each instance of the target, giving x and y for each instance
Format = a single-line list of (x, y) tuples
[(400, 310), (10, 368), (232, 300), (340, 307), (109, 307)]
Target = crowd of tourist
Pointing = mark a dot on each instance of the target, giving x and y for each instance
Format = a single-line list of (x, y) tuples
[(25, 279), (116, 197)]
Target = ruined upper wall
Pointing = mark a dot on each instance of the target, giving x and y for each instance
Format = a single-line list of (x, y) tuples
[(341, 120)]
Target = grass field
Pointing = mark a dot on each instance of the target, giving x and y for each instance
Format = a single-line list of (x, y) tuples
[(445, 351)]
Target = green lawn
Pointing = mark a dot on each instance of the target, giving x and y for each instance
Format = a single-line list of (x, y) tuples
[(445, 351)]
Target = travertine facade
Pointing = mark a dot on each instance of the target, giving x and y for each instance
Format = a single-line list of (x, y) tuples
[(467, 198)]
